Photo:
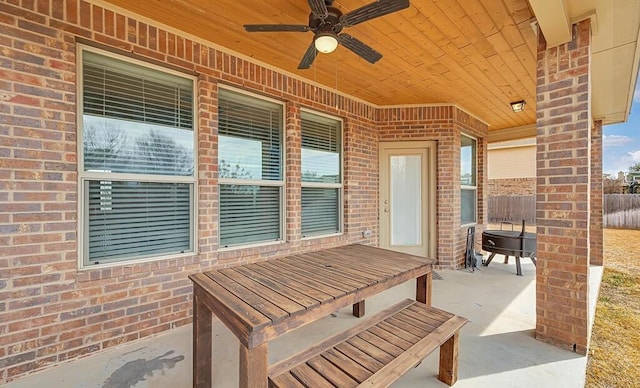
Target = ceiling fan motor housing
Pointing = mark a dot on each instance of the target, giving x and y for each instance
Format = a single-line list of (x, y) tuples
[(332, 20)]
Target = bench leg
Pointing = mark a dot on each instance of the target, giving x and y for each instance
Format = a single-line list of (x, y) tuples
[(423, 288), (358, 309), (518, 267), (254, 365), (449, 361), (202, 322)]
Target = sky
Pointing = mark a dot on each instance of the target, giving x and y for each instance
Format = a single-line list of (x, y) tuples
[(621, 142)]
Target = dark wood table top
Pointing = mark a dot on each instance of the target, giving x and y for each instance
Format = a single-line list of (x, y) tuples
[(261, 301)]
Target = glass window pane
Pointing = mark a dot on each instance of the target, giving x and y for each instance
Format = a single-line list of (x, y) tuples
[(468, 206), (321, 149), (249, 214), (468, 178), (320, 211), (250, 135), (468, 161), (406, 200), (239, 158), (119, 146), (137, 219), (320, 166)]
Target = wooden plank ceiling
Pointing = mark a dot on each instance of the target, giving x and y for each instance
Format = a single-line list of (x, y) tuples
[(478, 54)]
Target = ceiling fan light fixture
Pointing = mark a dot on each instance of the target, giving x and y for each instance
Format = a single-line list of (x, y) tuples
[(326, 42), (518, 106)]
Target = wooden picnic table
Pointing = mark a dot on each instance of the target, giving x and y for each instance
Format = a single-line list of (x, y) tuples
[(261, 301)]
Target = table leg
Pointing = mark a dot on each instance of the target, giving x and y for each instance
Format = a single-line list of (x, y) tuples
[(202, 322), (254, 365), (423, 288), (358, 309)]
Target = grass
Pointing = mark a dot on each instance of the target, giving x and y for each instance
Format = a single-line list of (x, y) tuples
[(614, 353)]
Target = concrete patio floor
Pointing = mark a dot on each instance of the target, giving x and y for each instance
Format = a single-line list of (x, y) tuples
[(497, 346)]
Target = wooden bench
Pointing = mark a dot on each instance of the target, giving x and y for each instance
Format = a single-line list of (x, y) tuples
[(376, 352)]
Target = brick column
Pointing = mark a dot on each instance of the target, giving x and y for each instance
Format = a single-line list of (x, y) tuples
[(597, 208), (294, 174), (563, 190)]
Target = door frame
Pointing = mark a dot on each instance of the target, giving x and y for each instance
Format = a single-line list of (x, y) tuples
[(430, 180)]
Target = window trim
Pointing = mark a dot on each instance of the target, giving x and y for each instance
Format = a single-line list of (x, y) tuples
[(473, 188), (339, 186), (282, 184), (86, 176)]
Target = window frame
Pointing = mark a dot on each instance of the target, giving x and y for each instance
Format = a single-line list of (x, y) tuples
[(282, 183), (339, 186), (84, 177), (472, 188)]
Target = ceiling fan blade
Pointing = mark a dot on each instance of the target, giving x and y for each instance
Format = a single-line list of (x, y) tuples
[(318, 8), (276, 28), (367, 53), (372, 11), (308, 57)]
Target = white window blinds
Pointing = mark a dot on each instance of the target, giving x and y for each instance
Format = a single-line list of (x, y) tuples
[(138, 175), (137, 219), (321, 175), (136, 120), (250, 169)]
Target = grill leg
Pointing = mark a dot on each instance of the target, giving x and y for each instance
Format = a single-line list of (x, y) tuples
[(518, 267), (486, 263)]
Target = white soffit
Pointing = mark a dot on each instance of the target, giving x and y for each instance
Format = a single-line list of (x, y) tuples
[(553, 19), (615, 47), (616, 53)]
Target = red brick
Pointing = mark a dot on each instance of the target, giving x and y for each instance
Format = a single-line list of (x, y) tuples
[(9, 339), (562, 201), (32, 322), (68, 325)]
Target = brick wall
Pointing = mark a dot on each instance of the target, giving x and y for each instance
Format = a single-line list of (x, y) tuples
[(563, 190), (49, 311), (597, 207), (445, 125), (512, 186)]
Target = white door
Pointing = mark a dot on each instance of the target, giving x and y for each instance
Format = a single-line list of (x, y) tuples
[(407, 197)]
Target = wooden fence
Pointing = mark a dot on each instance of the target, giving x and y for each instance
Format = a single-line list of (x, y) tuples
[(512, 208), (620, 210)]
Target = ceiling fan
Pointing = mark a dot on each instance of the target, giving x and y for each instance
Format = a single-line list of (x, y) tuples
[(327, 22)]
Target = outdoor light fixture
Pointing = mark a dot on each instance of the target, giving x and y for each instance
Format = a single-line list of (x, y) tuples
[(518, 106), (326, 40)]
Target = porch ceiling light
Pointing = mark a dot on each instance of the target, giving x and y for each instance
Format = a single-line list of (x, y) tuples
[(518, 106), (326, 40)]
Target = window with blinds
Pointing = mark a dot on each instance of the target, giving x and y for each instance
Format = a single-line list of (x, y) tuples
[(321, 175), (250, 149), (468, 178), (137, 167)]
